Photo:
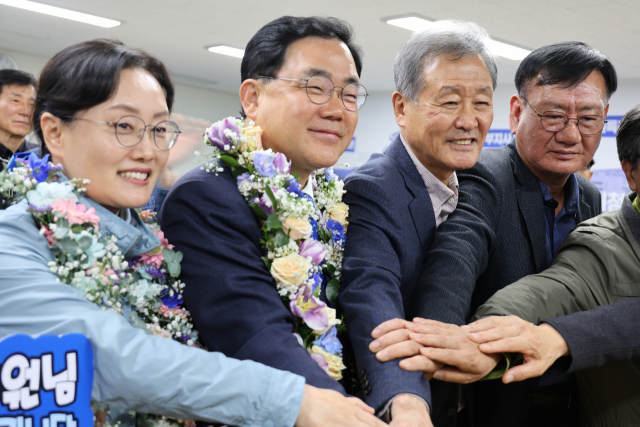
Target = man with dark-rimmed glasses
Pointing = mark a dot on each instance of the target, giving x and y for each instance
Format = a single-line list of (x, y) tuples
[(516, 207)]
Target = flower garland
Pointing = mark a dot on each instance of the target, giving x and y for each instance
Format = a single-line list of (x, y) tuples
[(304, 239), (145, 290)]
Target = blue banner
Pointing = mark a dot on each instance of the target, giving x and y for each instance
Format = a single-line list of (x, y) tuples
[(352, 145), (46, 381), (498, 138), (611, 127)]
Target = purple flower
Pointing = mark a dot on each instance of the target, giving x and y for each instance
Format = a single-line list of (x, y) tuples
[(171, 301), (18, 159), (281, 164), (216, 134), (312, 312), (317, 281), (264, 164), (337, 230), (39, 167), (329, 342), (321, 360), (154, 272), (262, 204), (294, 188), (328, 173), (314, 249), (244, 177)]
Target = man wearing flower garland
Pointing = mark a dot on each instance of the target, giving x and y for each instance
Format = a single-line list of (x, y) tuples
[(259, 205), (444, 77)]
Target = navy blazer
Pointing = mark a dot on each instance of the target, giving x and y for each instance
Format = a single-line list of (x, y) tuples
[(495, 237), (229, 292), (391, 225)]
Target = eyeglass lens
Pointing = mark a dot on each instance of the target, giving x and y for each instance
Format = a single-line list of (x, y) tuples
[(555, 122), (130, 131), (320, 89)]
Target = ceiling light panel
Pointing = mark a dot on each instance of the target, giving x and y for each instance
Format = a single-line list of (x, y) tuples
[(505, 50), (227, 50), (61, 13)]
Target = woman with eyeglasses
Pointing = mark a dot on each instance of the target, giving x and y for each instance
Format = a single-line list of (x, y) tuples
[(103, 113)]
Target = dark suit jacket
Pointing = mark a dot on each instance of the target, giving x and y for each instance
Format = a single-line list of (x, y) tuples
[(229, 292), (391, 225), (494, 237)]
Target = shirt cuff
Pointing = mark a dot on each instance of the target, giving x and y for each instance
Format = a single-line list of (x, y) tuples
[(385, 412)]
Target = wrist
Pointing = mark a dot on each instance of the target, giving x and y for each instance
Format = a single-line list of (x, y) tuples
[(408, 402), (556, 340)]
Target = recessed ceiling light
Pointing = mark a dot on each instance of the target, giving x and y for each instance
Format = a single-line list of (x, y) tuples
[(61, 13), (227, 50), (509, 51)]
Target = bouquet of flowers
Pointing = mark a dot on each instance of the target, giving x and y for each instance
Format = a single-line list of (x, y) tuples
[(303, 236)]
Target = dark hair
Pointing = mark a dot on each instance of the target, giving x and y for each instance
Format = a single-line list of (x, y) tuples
[(265, 52), (566, 64), (16, 77), (87, 74), (628, 137)]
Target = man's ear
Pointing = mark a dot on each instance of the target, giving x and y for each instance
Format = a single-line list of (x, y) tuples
[(52, 134), (631, 174), (250, 91), (400, 103), (516, 106)]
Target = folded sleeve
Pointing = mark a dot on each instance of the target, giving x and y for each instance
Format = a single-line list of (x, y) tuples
[(230, 294), (134, 370)]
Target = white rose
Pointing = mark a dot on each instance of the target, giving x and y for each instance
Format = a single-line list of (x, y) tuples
[(297, 228), (339, 213), (331, 314), (291, 270), (335, 362)]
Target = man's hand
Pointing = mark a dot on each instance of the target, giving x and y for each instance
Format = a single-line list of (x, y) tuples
[(409, 411), (321, 408), (449, 345), (392, 341), (540, 345)]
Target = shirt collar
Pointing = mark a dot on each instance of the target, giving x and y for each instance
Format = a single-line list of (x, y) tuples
[(571, 194), (308, 188), (433, 184)]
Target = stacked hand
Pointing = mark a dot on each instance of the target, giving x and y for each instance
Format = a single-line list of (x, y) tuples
[(469, 352), (540, 345), (322, 408)]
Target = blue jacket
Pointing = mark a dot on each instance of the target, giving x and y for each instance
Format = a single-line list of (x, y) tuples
[(231, 295), (391, 225), (133, 370)]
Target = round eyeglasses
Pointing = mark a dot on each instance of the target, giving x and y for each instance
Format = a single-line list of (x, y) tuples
[(320, 89), (554, 121), (131, 129)]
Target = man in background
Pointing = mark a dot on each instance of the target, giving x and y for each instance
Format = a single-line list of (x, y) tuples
[(17, 96), (586, 170)]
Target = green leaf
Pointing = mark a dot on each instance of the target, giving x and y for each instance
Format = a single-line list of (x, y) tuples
[(156, 303), (85, 242), (76, 228), (173, 268), (230, 161), (272, 197), (273, 222), (70, 246), (172, 258), (331, 269), (267, 263), (333, 287), (60, 232), (259, 212), (281, 239), (236, 172)]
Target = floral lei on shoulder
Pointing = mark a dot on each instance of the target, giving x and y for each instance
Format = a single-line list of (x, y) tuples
[(146, 290), (304, 239)]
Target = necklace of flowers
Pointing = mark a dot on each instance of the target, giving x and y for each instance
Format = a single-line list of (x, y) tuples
[(145, 289), (304, 238)]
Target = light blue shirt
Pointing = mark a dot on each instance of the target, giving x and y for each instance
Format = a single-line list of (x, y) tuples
[(133, 370)]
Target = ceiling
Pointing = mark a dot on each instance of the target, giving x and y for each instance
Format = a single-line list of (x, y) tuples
[(177, 31)]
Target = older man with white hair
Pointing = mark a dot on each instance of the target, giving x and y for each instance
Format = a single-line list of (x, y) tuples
[(443, 103)]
